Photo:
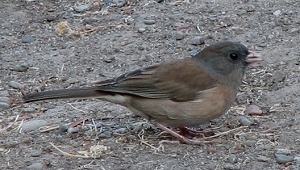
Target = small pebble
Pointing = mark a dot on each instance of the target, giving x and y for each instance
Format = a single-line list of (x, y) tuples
[(141, 29), (232, 159), (250, 8), (50, 18), (73, 130), (224, 129), (286, 21), (83, 7), (197, 40), (16, 85), (121, 131), (63, 128), (129, 20), (27, 39), (72, 81), (149, 21), (249, 143), (120, 3), (179, 35), (253, 110), (4, 93), (131, 137), (282, 151), (294, 30), (33, 125), (109, 60), (28, 109), (21, 67), (193, 53), (4, 106), (88, 21), (266, 147), (277, 13), (36, 166), (105, 134), (5, 100), (282, 158), (263, 158), (244, 121), (107, 2), (35, 153), (229, 166), (297, 158), (140, 47), (51, 9), (241, 12)]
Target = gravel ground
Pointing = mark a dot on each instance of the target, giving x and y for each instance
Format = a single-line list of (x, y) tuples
[(47, 44)]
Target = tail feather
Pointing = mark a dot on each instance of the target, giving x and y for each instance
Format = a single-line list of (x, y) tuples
[(62, 94)]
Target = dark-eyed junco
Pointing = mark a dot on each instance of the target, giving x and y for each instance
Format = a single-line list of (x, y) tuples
[(180, 93)]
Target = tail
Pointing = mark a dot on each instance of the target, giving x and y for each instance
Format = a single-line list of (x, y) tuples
[(63, 94)]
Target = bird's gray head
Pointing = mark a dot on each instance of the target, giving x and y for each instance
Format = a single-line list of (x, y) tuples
[(226, 60)]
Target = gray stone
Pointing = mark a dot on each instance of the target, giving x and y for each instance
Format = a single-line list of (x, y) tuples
[(63, 128), (231, 167), (131, 137), (141, 29), (282, 158), (4, 106), (232, 159), (179, 35), (83, 7), (149, 21), (27, 39), (253, 110), (5, 100), (28, 109), (51, 18), (21, 67), (277, 13), (244, 121), (197, 40), (73, 130), (294, 30), (105, 134), (194, 52), (16, 85), (4, 93), (35, 153), (282, 151), (33, 125), (120, 3), (121, 131), (263, 158), (72, 81), (35, 166), (249, 143)]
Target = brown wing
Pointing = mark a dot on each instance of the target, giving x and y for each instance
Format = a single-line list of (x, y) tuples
[(179, 81)]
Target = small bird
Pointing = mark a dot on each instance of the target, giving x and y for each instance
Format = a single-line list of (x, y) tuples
[(182, 93)]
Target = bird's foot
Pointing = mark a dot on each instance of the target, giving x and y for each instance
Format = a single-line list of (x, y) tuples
[(184, 131), (182, 138)]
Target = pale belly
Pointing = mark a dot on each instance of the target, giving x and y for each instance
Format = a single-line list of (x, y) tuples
[(211, 104)]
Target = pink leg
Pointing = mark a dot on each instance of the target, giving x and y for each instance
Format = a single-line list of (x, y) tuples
[(194, 133), (181, 138)]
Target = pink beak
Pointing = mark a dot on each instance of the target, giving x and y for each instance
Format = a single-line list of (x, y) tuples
[(253, 57)]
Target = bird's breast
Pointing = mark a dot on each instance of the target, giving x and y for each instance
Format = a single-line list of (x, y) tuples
[(209, 104)]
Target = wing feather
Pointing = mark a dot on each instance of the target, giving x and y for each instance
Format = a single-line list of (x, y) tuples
[(161, 82)]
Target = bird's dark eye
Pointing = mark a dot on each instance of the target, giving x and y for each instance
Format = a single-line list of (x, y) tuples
[(233, 56)]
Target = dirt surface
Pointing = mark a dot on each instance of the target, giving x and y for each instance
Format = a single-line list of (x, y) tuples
[(106, 40)]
